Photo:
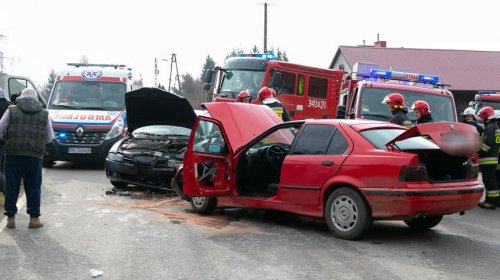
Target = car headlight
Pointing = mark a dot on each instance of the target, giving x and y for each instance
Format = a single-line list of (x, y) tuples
[(116, 130), (115, 157)]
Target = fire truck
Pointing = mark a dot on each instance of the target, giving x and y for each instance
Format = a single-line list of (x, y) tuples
[(87, 110), (306, 92), (364, 89)]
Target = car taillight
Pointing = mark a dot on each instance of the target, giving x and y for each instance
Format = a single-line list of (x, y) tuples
[(413, 173), (472, 171)]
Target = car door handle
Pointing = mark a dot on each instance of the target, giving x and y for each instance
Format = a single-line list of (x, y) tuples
[(327, 163)]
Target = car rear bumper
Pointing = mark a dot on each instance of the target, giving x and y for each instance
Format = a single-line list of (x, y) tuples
[(132, 174), (407, 203)]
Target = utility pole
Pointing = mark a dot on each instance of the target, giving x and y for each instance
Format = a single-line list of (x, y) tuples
[(177, 78), (265, 27)]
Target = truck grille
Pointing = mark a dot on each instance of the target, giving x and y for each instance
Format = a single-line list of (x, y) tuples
[(67, 137)]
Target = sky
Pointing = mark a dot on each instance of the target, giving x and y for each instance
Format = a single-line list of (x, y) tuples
[(44, 35)]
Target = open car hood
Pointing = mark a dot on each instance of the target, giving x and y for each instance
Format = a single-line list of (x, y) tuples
[(242, 122), (153, 106), (457, 139)]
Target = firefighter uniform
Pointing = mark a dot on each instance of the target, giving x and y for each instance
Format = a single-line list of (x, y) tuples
[(488, 161)]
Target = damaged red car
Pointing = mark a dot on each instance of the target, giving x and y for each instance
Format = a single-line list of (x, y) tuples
[(349, 172)]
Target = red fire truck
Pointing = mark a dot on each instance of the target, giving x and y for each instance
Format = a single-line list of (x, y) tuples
[(363, 91), (306, 92)]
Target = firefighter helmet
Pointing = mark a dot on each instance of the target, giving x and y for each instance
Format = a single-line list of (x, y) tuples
[(422, 106), (395, 99), (243, 95), (486, 112), (266, 92)]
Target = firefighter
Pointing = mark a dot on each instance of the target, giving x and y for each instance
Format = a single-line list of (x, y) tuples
[(396, 103), (422, 111), (469, 117), (267, 97), (488, 158), (244, 97)]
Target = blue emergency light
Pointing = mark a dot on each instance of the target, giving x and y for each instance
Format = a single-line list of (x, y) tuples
[(403, 76)]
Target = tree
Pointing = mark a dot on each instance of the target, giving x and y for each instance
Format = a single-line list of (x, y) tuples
[(209, 64), (49, 84)]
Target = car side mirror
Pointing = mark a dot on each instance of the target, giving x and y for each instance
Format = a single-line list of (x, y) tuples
[(276, 80)]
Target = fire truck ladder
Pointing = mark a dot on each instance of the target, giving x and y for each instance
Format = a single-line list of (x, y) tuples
[(173, 60)]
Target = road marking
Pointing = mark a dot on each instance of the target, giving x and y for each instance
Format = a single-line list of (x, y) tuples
[(20, 204)]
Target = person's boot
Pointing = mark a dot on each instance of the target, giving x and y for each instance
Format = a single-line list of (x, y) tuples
[(35, 222), (11, 222), (487, 205)]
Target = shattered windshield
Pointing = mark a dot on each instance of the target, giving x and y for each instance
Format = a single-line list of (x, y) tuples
[(88, 95), (236, 80), (371, 106)]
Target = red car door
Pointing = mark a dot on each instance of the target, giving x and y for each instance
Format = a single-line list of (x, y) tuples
[(316, 155), (207, 162)]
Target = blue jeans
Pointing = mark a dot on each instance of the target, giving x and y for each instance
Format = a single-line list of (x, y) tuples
[(30, 170)]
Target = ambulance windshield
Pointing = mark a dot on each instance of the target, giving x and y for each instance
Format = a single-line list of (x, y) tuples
[(88, 95), (236, 80), (371, 107)]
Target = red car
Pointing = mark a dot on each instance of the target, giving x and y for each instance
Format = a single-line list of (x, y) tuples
[(350, 172)]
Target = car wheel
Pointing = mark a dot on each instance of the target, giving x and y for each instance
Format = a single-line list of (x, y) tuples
[(204, 204), (424, 223), (118, 184), (347, 214), (48, 163)]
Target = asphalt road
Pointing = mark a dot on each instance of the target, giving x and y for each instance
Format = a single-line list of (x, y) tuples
[(155, 236)]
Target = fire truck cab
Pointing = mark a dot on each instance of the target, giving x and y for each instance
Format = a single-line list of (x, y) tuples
[(364, 89), (87, 110), (306, 92)]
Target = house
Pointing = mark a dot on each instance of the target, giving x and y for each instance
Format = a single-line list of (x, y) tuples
[(466, 72)]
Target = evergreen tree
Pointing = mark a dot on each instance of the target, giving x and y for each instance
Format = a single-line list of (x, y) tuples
[(209, 64), (49, 84)]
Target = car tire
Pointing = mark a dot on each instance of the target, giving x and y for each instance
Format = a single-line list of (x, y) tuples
[(48, 163), (204, 204), (118, 184), (424, 223), (347, 214)]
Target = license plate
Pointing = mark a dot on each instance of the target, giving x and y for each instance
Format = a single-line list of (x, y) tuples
[(74, 150)]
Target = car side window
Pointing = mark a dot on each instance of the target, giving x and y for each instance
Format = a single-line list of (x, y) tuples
[(314, 139), (209, 139), (338, 145)]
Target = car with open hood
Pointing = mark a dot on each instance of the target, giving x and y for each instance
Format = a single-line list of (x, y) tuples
[(349, 172), (158, 124)]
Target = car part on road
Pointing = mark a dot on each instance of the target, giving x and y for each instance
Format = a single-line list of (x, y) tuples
[(424, 222), (204, 204), (347, 214)]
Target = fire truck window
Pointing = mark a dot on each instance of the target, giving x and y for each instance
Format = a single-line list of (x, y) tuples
[(300, 89), (338, 146), (314, 139), (318, 87), (287, 85)]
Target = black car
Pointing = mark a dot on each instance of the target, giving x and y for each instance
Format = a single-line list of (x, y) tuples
[(159, 124)]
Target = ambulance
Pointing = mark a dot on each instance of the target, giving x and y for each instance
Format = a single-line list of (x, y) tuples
[(87, 110)]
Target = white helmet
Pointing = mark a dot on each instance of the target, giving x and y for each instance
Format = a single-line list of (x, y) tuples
[(469, 111)]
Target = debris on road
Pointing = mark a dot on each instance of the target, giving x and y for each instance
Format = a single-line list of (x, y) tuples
[(95, 273)]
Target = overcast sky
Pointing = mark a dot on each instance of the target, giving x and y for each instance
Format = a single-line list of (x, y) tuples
[(44, 35)]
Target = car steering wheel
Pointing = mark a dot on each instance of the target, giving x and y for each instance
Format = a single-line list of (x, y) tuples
[(275, 155)]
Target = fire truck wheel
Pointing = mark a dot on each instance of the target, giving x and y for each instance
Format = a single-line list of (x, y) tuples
[(347, 214), (424, 223), (204, 204), (48, 163)]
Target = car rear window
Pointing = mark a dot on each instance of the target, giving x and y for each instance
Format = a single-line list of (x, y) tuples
[(380, 137)]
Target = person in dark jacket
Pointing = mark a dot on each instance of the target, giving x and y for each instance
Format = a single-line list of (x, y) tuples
[(28, 129), (267, 97), (488, 158), (470, 118), (396, 103), (422, 111)]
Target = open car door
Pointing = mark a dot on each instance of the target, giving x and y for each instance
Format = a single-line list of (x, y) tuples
[(207, 162)]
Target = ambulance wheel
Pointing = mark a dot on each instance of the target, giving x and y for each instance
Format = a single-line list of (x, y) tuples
[(424, 223), (347, 214), (204, 204), (48, 163)]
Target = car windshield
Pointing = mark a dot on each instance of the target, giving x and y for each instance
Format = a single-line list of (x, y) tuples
[(379, 137), (236, 80), (442, 107), (88, 95), (161, 130)]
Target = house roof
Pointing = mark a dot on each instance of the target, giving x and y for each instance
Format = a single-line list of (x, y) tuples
[(462, 69)]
